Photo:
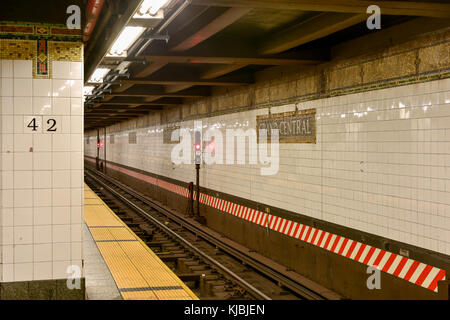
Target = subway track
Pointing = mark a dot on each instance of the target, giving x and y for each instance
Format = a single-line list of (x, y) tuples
[(207, 264)]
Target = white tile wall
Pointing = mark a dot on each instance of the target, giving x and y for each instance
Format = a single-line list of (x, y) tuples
[(380, 165), (5, 214), (41, 205)]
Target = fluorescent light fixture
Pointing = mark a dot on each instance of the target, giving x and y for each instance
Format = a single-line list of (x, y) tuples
[(98, 75), (128, 36), (149, 8), (87, 90), (157, 4)]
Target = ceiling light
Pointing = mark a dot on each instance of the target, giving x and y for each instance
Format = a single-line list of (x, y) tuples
[(98, 75), (87, 90), (150, 8), (157, 4), (128, 36)]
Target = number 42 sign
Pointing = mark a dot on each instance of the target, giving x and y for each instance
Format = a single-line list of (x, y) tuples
[(38, 124)]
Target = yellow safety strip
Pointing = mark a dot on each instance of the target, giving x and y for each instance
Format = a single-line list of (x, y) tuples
[(137, 271)]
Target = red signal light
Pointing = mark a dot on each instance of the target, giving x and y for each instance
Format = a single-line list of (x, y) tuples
[(197, 147)]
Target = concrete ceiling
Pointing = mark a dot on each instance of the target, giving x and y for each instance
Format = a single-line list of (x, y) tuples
[(224, 42)]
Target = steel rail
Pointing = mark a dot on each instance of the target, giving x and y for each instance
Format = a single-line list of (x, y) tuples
[(247, 286), (257, 265)]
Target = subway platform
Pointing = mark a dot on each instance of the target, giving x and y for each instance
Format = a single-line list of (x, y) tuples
[(118, 265)]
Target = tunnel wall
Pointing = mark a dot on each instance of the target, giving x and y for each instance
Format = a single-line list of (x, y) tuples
[(377, 173), (365, 164), (317, 256)]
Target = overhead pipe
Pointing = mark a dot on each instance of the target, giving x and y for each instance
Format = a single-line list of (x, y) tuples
[(92, 14)]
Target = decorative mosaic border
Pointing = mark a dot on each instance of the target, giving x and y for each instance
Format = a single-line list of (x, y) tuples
[(385, 84), (379, 85), (66, 51), (17, 49), (42, 59), (42, 52), (36, 31), (416, 272), (41, 43)]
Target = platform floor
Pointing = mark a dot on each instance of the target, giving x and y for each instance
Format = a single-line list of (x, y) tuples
[(100, 284), (138, 273)]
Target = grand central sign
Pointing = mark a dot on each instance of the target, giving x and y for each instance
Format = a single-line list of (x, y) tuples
[(294, 127), (167, 134)]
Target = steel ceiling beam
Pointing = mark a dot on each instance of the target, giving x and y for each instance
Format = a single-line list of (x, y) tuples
[(315, 28), (399, 8)]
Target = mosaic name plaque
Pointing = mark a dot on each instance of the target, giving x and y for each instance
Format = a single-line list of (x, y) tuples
[(167, 135), (294, 127)]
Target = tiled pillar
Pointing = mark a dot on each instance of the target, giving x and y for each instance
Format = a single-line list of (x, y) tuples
[(42, 169), (1, 173)]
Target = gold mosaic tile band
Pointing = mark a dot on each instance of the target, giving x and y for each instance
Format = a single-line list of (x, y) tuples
[(38, 29), (18, 49), (27, 50), (66, 51)]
